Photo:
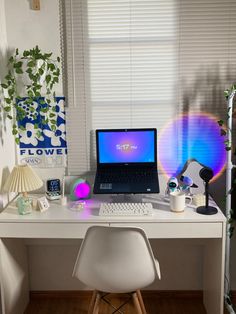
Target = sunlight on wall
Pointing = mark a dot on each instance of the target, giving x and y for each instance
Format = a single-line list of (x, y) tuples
[(191, 136)]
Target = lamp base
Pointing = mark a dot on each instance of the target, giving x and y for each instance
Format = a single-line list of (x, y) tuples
[(24, 205), (210, 210)]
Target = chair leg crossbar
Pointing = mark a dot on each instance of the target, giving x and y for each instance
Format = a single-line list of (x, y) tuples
[(117, 310), (98, 296)]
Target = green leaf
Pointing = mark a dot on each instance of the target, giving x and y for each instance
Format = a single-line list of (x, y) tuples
[(48, 78), (9, 117), (41, 71), (14, 131), (8, 101), (223, 132), (4, 86), (220, 122), (11, 92), (53, 121), (38, 134), (30, 94), (7, 109), (18, 64), (48, 55), (51, 66), (31, 64), (53, 128), (19, 71), (17, 140), (58, 59), (25, 53), (228, 148)]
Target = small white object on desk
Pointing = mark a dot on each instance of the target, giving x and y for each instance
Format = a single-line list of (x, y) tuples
[(199, 199), (43, 204), (63, 200), (77, 206)]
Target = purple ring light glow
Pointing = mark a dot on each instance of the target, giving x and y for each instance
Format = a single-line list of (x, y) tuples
[(82, 190), (191, 136)]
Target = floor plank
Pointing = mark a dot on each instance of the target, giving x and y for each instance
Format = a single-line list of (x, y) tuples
[(79, 305)]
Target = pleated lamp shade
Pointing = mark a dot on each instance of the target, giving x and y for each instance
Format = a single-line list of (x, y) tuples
[(22, 179)]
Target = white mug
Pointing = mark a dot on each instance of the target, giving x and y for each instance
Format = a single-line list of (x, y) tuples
[(177, 201)]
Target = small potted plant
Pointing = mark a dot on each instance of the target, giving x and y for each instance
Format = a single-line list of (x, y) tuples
[(28, 89)]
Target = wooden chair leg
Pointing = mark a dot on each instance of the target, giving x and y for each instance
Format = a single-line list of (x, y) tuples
[(97, 303), (92, 302), (140, 298), (136, 303)]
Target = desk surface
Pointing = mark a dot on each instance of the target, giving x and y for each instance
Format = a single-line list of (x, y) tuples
[(59, 213)]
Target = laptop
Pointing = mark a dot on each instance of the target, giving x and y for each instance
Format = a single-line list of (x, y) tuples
[(126, 161)]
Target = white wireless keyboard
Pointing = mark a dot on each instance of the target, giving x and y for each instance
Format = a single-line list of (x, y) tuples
[(125, 209)]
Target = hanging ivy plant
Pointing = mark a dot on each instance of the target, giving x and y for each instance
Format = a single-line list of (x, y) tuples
[(224, 130), (31, 78)]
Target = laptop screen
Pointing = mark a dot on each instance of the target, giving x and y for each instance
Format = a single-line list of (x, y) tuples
[(126, 146)]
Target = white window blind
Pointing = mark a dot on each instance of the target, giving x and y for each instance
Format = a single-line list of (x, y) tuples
[(136, 63)]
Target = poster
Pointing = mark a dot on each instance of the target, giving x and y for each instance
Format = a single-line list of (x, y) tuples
[(49, 149)]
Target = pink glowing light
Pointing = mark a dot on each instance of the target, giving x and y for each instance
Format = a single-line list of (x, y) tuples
[(82, 190)]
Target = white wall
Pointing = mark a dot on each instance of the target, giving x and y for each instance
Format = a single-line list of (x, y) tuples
[(7, 146), (26, 28)]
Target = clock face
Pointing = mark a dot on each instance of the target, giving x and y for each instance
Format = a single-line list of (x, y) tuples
[(53, 185)]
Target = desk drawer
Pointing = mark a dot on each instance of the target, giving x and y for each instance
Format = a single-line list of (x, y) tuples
[(46, 230), (179, 230)]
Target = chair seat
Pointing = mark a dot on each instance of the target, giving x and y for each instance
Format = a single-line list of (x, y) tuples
[(116, 260)]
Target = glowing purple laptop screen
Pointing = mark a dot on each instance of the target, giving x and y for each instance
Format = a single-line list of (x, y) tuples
[(126, 146)]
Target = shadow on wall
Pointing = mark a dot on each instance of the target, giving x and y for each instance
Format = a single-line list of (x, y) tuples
[(3, 72), (205, 93), (3, 195)]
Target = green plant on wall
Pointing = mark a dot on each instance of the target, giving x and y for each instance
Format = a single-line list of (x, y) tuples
[(31, 76), (225, 130)]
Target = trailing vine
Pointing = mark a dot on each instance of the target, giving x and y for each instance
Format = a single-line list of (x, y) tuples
[(31, 78), (224, 130)]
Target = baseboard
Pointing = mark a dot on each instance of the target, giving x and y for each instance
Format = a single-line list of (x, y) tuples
[(163, 294)]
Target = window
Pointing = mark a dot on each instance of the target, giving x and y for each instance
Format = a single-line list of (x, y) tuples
[(135, 63)]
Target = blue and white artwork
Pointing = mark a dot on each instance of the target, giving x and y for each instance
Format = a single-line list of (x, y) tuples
[(48, 149)]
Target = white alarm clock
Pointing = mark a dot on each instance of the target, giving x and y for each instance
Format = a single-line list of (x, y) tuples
[(53, 189)]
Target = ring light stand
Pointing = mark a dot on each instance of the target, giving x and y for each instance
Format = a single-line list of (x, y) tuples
[(206, 174)]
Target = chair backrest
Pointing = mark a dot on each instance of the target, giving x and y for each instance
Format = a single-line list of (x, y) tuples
[(116, 259)]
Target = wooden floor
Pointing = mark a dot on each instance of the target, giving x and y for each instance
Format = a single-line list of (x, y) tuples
[(79, 305)]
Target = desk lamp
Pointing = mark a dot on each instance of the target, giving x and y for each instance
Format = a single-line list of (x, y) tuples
[(23, 179), (206, 174)]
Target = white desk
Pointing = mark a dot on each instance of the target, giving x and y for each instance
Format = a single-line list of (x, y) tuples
[(62, 223)]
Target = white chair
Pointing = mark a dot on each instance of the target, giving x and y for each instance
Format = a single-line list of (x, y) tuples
[(116, 260)]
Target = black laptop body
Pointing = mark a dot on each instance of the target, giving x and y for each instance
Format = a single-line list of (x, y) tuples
[(126, 161)]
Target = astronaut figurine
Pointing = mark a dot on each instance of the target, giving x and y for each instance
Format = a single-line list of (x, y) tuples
[(172, 185), (185, 184)]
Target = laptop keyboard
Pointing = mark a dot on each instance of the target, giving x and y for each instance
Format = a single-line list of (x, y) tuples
[(128, 177)]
